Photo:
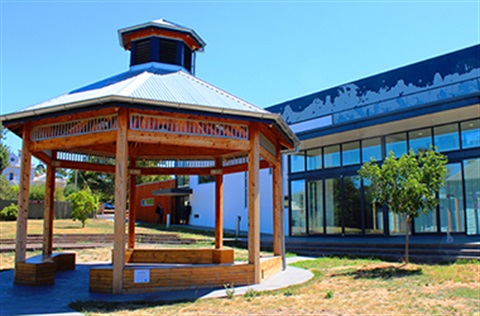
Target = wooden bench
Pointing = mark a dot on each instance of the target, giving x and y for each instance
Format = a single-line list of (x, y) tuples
[(40, 270)]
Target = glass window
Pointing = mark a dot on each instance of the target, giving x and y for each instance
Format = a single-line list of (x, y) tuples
[(314, 159), (333, 207), (420, 139), (352, 209), (297, 207), (396, 143), (446, 137), (373, 211), (315, 207), (371, 149), (297, 162), (470, 133), (426, 223), (396, 223), (351, 153), (205, 179), (451, 200), (332, 156), (471, 170)]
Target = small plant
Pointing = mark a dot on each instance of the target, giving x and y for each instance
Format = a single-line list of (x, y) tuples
[(250, 294), (9, 213), (288, 293), (329, 294), (229, 290)]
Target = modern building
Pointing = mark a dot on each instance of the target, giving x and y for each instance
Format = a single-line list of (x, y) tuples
[(435, 102)]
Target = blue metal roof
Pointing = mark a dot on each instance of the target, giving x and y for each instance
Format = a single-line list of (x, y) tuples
[(152, 84)]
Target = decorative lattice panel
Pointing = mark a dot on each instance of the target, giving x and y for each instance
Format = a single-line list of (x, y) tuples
[(76, 127), (170, 125)]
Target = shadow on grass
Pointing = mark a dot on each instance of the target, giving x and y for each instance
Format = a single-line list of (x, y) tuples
[(385, 273), (114, 307)]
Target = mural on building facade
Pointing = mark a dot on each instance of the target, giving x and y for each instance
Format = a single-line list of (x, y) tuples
[(441, 78)]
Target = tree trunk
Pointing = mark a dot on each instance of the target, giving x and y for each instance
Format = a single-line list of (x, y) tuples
[(408, 219)]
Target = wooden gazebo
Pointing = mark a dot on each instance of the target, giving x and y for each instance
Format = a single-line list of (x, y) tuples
[(183, 124)]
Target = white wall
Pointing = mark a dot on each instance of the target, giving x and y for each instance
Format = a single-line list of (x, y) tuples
[(203, 199)]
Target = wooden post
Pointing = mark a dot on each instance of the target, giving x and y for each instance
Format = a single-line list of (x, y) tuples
[(121, 177), (254, 203), (218, 205), (131, 206), (22, 217), (277, 208), (48, 212)]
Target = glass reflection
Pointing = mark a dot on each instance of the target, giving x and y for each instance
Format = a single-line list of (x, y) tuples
[(371, 149), (420, 139), (451, 201), (315, 207), (352, 206), (471, 169), (351, 153), (373, 210), (297, 162), (446, 137), (332, 156), (396, 143), (470, 133), (333, 208), (314, 159), (297, 207)]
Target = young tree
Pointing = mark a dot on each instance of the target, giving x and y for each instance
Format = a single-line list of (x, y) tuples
[(407, 185), (84, 203)]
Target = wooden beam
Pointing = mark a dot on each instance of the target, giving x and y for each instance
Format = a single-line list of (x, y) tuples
[(176, 171), (277, 208), (218, 206), (87, 166), (244, 167), (254, 203), (121, 177), (22, 216), (132, 206), (43, 157), (265, 154), (188, 140), (65, 143), (48, 213)]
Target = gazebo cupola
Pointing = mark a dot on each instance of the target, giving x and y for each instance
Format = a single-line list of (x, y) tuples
[(161, 44)]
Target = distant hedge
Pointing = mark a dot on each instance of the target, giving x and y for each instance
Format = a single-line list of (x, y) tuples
[(9, 213)]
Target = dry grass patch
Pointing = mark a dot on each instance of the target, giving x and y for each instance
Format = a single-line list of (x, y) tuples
[(60, 226), (340, 286)]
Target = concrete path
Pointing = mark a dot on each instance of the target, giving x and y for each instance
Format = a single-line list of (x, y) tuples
[(73, 286)]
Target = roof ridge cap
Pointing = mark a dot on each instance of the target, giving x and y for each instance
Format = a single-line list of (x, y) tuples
[(219, 90), (136, 82)]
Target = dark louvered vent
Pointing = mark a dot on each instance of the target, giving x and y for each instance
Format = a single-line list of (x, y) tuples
[(187, 58), (141, 52), (168, 51)]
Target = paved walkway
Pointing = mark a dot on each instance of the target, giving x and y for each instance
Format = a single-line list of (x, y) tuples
[(73, 286)]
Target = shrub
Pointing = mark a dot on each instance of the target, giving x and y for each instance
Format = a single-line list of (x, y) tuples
[(83, 205), (7, 191), (9, 213), (37, 192)]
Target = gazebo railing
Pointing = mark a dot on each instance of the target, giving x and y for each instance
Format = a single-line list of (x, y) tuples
[(75, 127), (153, 123)]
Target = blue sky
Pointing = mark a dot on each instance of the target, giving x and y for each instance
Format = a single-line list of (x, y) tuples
[(265, 52)]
